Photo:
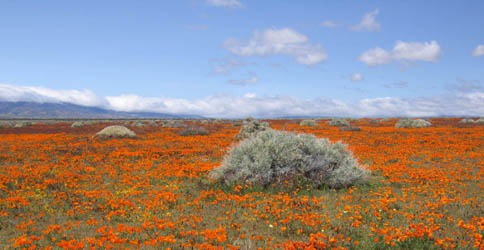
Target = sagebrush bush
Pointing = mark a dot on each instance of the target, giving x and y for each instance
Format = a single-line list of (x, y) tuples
[(467, 121), (338, 122), (172, 124), (412, 123), (78, 124), (277, 157), (22, 124), (480, 120), (309, 123), (115, 132), (349, 128), (193, 130), (251, 127)]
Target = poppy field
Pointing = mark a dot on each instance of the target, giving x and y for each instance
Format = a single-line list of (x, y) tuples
[(61, 188)]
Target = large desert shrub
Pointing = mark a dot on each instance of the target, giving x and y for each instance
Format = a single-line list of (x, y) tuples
[(251, 127), (309, 123), (412, 123), (115, 132), (276, 157), (338, 122)]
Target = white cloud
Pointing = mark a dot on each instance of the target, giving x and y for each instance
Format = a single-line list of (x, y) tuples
[(244, 82), (225, 3), (85, 97), (368, 22), (329, 24), (478, 51), (250, 104), (227, 65), (376, 56), (356, 77), (403, 52), (279, 42)]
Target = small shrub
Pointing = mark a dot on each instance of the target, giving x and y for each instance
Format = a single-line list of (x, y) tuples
[(172, 124), (309, 123), (349, 128), (115, 132), (138, 124), (467, 121), (480, 120), (275, 157), (251, 127), (193, 130), (81, 124), (6, 124), (22, 124), (412, 123), (338, 122)]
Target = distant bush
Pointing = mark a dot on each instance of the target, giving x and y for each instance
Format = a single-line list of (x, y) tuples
[(467, 121), (412, 123), (115, 132), (193, 130), (480, 120), (22, 124), (251, 127), (172, 124), (349, 128), (138, 124), (276, 157), (309, 123), (338, 122), (81, 124), (6, 124)]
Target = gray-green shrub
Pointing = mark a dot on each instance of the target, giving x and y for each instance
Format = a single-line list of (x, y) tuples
[(309, 123), (412, 123), (274, 157), (338, 122), (251, 127), (115, 132)]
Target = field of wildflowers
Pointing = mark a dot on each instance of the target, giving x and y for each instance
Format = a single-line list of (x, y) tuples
[(61, 188)]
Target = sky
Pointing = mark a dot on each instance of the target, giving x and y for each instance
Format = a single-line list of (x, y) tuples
[(237, 58)]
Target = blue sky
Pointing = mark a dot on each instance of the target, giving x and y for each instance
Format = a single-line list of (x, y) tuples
[(232, 58)]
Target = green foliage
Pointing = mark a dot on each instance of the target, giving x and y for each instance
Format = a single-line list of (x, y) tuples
[(338, 122), (78, 124), (115, 132), (309, 123), (22, 124), (251, 127), (412, 123), (278, 157)]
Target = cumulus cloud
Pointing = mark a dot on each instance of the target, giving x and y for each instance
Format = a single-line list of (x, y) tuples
[(403, 52), (279, 42), (229, 106), (368, 22), (225, 3), (329, 24), (356, 77), (478, 51)]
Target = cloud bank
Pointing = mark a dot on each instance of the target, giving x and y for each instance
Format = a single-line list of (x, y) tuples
[(404, 52), (229, 106), (278, 42)]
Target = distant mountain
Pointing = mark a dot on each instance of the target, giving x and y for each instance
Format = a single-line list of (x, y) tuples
[(72, 111)]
